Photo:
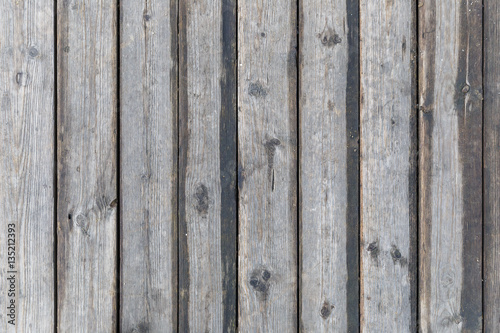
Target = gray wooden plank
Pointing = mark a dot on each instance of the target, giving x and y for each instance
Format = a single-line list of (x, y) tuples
[(86, 144), (27, 115), (207, 167), (450, 88), (267, 175), (148, 166), (328, 157), (388, 168), (491, 169)]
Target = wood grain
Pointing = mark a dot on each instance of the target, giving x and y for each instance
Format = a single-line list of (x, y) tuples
[(267, 179), (148, 166), (491, 169), (207, 165), (450, 184), (388, 166), (329, 204), (27, 114), (87, 175)]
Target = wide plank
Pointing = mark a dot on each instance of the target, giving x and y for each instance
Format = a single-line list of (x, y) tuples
[(267, 170), (491, 168), (450, 88), (329, 165), (148, 166), (388, 166), (207, 166), (87, 166), (27, 117)]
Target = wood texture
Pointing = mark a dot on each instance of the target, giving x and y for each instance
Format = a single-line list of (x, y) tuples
[(148, 166), (388, 166), (170, 141), (267, 179), (87, 145), (450, 185), (27, 115), (329, 204), (491, 159), (207, 183)]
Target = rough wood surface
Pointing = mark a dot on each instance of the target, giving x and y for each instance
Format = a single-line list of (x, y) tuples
[(388, 178), (148, 166), (491, 166), (267, 121), (86, 144), (450, 166), (27, 165), (329, 85), (207, 183)]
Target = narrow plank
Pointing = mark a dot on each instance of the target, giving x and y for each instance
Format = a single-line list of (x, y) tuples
[(388, 166), (207, 166), (86, 144), (491, 169), (27, 115), (148, 166), (329, 169), (450, 91), (267, 175)]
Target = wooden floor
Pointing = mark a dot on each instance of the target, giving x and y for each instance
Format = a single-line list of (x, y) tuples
[(250, 165)]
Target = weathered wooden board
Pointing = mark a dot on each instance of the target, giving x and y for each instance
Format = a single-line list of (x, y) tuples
[(207, 166), (329, 182), (267, 176), (27, 115), (148, 166), (87, 175), (491, 158), (388, 166), (450, 165)]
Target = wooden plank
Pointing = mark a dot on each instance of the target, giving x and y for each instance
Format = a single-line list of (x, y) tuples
[(388, 166), (207, 166), (148, 166), (491, 169), (27, 118), (329, 170), (450, 166), (267, 175), (86, 144)]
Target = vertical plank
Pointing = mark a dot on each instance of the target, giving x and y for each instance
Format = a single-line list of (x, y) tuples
[(148, 166), (388, 166), (450, 88), (87, 141), (491, 159), (27, 118), (267, 176), (207, 166), (329, 171)]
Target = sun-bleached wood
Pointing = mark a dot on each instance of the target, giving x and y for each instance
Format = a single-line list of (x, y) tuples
[(450, 101), (87, 166), (328, 157), (207, 165), (267, 171), (388, 165), (27, 190), (148, 166)]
